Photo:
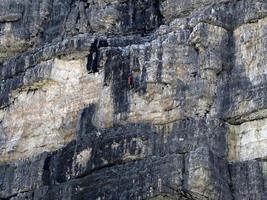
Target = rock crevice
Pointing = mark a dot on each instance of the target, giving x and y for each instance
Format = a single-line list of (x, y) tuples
[(123, 99)]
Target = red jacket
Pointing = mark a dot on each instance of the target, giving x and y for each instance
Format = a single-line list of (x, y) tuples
[(130, 80)]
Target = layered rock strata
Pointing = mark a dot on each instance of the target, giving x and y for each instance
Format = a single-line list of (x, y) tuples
[(191, 125)]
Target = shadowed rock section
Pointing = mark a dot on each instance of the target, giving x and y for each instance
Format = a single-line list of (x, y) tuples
[(133, 99)]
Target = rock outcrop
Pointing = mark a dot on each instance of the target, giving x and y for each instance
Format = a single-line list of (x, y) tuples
[(133, 99)]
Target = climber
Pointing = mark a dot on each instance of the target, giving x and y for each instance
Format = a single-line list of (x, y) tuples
[(130, 80)]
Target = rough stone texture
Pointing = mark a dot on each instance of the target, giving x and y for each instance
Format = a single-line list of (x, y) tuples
[(192, 125), (250, 183)]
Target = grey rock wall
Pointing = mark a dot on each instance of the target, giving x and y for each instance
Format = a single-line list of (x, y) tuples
[(191, 124)]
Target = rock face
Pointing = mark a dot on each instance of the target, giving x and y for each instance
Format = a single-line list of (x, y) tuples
[(133, 99)]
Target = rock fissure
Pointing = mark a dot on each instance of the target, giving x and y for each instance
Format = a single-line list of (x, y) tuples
[(111, 99)]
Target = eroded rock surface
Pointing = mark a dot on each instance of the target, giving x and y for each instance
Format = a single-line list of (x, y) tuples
[(133, 99)]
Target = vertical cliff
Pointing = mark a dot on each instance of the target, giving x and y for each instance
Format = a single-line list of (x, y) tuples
[(133, 99)]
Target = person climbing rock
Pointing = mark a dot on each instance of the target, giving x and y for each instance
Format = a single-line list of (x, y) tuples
[(130, 81)]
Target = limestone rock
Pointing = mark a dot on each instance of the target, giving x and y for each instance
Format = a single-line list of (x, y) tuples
[(133, 99)]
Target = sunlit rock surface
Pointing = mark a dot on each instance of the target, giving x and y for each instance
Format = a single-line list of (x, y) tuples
[(192, 123)]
